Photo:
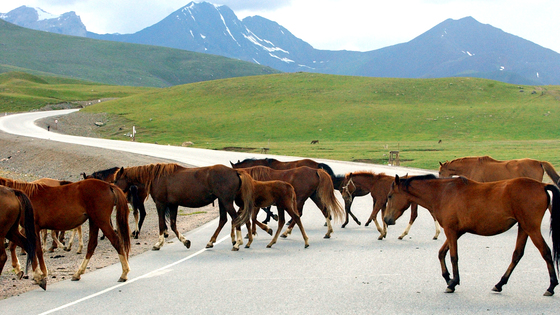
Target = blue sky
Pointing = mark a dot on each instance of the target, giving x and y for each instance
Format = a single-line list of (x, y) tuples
[(360, 25)]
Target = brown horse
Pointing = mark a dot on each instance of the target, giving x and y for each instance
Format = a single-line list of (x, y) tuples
[(69, 206), (16, 205), (136, 196), (465, 206), (281, 165), (486, 169), (280, 194), (359, 184), (308, 183), (58, 236), (172, 185)]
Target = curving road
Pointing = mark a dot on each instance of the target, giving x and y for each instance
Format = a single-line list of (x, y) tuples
[(352, 272)]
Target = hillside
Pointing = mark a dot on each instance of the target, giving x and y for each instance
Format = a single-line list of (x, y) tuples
[(112, 62)]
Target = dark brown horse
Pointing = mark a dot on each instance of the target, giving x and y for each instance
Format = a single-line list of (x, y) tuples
[(357, 184), (486, 169), (172, 185), (69, 206), (465, 206), (280, 194), (136, 196), (15, 205), (308, 183)]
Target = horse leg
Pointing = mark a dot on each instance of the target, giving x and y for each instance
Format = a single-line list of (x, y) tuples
[(40, 276), (413, 216), (173, 223), (162, 226), (438, 228), (441, 256), (522, 237), (142, 210), (135, 215), (452, 238), (15, 261), (249, 233), (92, 243), (539, 242), (221, 223), (281, 221), (3, 256), (56, 240), (373, 217), (80, 239)]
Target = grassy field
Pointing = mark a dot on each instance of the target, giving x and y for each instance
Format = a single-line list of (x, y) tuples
[(354, 118)]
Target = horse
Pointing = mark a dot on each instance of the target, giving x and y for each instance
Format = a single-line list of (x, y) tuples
[(278, 193), (361, 183), (58, 236), (172, 185), (16, 205), (487, 169), (69, 206), (308, 183), (279, 165), (135, 196), (464, 206)]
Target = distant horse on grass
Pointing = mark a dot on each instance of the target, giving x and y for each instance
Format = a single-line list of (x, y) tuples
[(308, 183), (465, 206), (15, 206), (172, 185), (361, 183), (487, 169), (69, 206), (136, 196), (280, 194)]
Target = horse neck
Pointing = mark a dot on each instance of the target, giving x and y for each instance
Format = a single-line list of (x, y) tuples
[(426, 193)]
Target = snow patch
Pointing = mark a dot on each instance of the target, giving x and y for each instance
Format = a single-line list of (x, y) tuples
[(538, 75), (468, 53), (502, 68), (286, 60), (43, 15)]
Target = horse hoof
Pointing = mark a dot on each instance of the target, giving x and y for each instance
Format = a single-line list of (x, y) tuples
[(496, 289), (155, 248), (235, 249), (435, 238), (306, 245), (269, 246), (359, 223), (548, 293), (283, 236), (449, 290), (20, 275), (343, 226), (327, 236), (209, 245), (43, 284), (66, 249), (121, 279), (270, 231), (76, 278), (188, 244)]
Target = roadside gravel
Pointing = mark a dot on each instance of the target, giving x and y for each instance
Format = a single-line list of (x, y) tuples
[(28, 159)]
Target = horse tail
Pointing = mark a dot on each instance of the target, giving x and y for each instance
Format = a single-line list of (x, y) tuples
[(327, 169), (325, 192), (28, 225), (555, 222), (122, 218), (551, 172), (246, 191)]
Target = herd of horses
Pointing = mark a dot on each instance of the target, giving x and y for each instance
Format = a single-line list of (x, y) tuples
[(477, 195)]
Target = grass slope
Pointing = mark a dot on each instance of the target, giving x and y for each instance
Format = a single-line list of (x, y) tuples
[(112, 62), (354, 118)]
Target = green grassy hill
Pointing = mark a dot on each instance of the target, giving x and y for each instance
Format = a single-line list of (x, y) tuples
[(354, 118), (112, 62)]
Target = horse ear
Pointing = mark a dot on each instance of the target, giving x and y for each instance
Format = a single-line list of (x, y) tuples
[(119, 173), (397, 179), (440, 164)]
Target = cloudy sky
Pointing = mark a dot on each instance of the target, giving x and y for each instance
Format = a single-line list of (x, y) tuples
[(360, 25)]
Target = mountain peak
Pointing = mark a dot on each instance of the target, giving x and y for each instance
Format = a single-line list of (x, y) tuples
[(38, 19)]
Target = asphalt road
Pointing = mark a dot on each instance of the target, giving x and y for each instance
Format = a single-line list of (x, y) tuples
[(352, 272)]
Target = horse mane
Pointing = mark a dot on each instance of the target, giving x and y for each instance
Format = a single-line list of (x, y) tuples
[(486, 158), (105, 173), (146, 174), (28, 188), (409, 180), (367, 174), (260, 172)]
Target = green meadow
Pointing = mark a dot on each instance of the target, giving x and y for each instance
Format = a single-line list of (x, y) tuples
[(354, 118)]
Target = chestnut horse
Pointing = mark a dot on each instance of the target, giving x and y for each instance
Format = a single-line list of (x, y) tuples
[(172, 185), (58, 236), (16, 205), (280, 194), (486, 169), (280, 165), (359, 184), (69, 206), (465, 206), (308, 183), (136, 196)]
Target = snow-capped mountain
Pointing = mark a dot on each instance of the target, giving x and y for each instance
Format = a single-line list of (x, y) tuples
[(35, 18), (461, 47)]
